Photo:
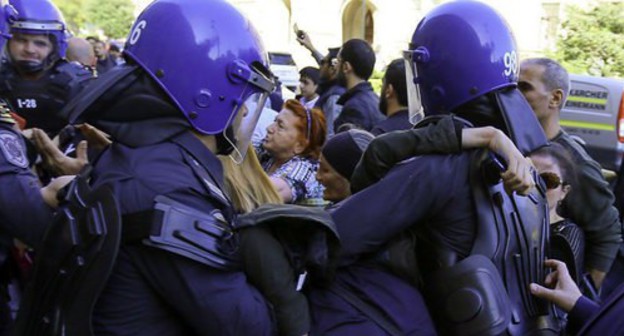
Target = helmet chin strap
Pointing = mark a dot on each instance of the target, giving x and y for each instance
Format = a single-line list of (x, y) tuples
[(29, 67), (224, 146)]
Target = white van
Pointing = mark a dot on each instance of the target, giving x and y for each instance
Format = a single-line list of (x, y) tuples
[(284, 68), (594, 112)]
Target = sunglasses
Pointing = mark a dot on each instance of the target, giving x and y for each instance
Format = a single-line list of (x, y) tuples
[(331, 62), (551, 180)]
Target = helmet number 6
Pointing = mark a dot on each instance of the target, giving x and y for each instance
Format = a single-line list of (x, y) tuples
[(136, 32)]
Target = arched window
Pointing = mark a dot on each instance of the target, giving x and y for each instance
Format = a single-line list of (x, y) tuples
[(358, 21), (369, 27)]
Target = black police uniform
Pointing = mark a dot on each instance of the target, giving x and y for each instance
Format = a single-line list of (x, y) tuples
[(468, 231), (153, 291), (23, 213), (41, 101)]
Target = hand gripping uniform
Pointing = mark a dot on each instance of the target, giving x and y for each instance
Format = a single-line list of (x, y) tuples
[(41, 100), (176, 270), (476, 247)]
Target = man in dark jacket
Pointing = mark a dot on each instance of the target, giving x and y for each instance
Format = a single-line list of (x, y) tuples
[(393, 100), (356, 61), (329, 89), (545, 85)]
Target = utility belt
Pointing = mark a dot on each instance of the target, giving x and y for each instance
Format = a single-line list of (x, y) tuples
[(177, 228)]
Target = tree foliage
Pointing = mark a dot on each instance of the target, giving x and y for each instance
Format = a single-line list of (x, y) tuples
[(590, 40), (73, 12), (113, 17)]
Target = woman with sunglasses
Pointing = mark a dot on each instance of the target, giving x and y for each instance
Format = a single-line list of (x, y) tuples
[(289, 153), (567, 240)]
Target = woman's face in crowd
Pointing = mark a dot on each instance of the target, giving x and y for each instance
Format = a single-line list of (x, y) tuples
[(554, 194), (283, 136), (336, 186)]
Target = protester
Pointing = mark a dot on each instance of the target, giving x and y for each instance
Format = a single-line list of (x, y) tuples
[(290, 151), (356, 61), (584, 316), (308, 84), (393, 100), (545, 85)]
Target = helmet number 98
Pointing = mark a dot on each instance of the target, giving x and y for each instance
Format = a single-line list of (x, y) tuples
[(511, 63), (136, 32)]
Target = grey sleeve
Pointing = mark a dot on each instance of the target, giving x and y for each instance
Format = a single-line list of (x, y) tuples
[(332, 110), (590, 205), (388, 149), (318, 57)]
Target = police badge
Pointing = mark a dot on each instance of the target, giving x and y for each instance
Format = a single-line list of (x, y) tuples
[(13, 149)]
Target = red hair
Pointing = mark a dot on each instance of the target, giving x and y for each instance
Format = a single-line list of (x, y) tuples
[(318, 127)]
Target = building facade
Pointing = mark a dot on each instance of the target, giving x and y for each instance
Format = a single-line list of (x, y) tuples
[(387, 24)]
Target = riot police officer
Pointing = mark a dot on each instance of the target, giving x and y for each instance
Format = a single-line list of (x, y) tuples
[(476, 246), (180, 100), (36, 79), (25, 207)]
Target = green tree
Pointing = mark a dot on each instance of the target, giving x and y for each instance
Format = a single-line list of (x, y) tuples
[(73, 12), (590, 40), (114, 17)]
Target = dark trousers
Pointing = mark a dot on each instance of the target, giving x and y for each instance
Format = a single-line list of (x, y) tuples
[(154, 292)]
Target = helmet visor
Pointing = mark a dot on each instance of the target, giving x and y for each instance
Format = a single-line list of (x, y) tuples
[(415, 108), (245, 120)]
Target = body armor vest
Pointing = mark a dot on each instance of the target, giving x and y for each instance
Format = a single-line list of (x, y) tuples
[(40, 101), (487, 293)]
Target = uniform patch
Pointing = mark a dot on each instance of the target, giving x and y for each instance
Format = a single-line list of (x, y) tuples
[(12, 148)]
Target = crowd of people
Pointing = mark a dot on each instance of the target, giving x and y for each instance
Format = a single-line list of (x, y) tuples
[(152, 194)]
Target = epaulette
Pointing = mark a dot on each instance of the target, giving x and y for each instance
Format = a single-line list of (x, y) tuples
[(5, 114)]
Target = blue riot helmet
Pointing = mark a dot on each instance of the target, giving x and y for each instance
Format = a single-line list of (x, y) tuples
[(40, 17), (462, 51), (7, 15), (209, 60)]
